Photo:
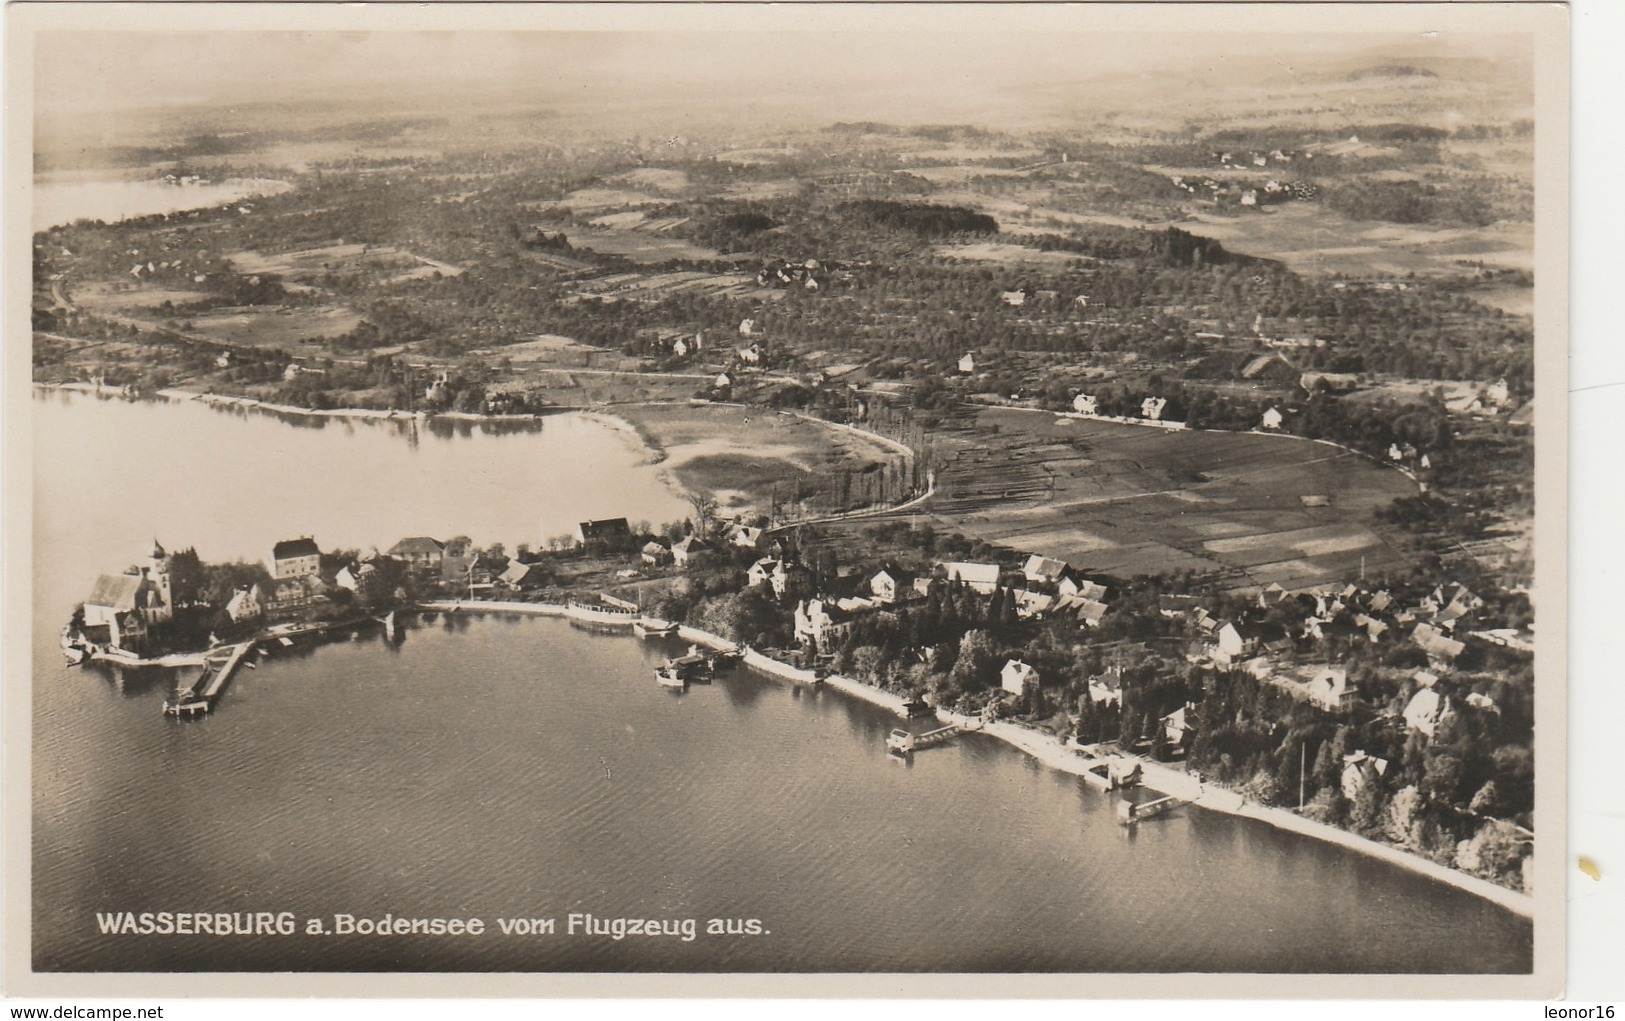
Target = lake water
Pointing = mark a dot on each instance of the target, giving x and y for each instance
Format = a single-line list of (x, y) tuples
[(62, 198), (521, 768)]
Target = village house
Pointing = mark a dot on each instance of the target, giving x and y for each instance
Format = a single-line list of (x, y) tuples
[(1425, 711), (654, 554), (983, 578), (295, 592), (1090, 612), (723, 381), (522, 577), (1043, 572), (245, 604), (1177, 726), (1270, 368), (1230, 645), (1330, 689), (608, 534), (1481, 702), (890, 584), (1071, 585), (1085, 404), (746, 536), (1031, 604), (1106, 687), (1441, 650), (689, 550), (295, 558), (967, 364), (419, 553), (1360, 769), (1151, 408), (1016, 676), (350, 576), (1015, 298), (761, 572), (1272, 419)]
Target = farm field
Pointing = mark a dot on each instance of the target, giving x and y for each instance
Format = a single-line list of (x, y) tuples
[(1125, 500), (1309, 238), (274, 327), (740, 453)]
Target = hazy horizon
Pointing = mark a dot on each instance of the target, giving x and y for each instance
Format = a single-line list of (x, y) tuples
[(88, 81)]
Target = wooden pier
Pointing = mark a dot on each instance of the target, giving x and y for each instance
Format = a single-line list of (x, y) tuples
[(199, 697), (903, 742), (1129, 813)]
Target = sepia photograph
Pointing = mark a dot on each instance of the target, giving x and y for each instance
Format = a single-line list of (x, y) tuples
[(603, 495)]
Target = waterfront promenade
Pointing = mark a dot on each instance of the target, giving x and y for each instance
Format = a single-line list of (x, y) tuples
[(1159, 777)]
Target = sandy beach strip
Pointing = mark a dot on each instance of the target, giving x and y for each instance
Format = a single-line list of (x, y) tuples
[(1051, 752)]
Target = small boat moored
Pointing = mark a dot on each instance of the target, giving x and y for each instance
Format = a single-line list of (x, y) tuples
[(670, 677)]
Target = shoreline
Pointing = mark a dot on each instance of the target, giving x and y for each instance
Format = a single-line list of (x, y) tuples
[(1048, 751), (178, 396)]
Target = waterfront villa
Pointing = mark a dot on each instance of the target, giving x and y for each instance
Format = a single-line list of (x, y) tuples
[(419, 552), (295, 558), (1176, 726), (818, 628), (520, 576), (1016, 676), (1360, 769)]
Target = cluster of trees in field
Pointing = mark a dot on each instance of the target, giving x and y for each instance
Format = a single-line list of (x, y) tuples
[(925, 219), (1411, 202)]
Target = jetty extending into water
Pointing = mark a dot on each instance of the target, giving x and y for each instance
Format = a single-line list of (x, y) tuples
[(1130, 813), (200, 697), (903, 742)]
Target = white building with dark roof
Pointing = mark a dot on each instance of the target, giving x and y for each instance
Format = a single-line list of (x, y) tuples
[(295, 558)]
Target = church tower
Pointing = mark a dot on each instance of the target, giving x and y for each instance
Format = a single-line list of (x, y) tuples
[(163, 606)]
